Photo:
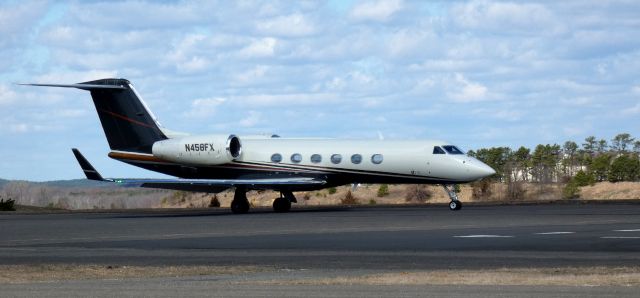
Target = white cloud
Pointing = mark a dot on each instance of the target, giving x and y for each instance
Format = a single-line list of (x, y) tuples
[(7, 95), (142, 14), (290, 25), (530, 64), (17, 19), (23, 128), (259, 48), (411, 41), (251, 120), (71, 77), (504, 16), (577, 101), (279, 100), (380, 11), (70, 113), (634, 110), (187, 54), (193, 64), (205, 107), (251, 75), (463, 90)]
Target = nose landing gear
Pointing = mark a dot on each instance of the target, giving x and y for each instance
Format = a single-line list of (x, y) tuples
[(455, 204)]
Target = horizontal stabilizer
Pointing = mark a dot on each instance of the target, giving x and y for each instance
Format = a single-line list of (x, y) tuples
[(79, 86), (87, 168)]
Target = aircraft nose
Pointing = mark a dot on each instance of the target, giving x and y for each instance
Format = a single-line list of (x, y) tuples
[(481, 170), (486, 170)]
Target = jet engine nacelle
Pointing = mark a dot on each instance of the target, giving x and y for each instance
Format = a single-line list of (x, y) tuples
[(201, 150)]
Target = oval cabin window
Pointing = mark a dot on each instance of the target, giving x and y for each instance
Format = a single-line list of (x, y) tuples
[(336, 158), (276, 157), (376, 159), (296, 158), (356, 158), (316, 158)]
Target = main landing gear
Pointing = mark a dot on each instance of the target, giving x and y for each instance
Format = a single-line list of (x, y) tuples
[(455, 204), (283, 203), (240, 204)]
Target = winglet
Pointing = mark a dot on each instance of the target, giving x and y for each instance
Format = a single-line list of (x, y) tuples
[(87, 168)]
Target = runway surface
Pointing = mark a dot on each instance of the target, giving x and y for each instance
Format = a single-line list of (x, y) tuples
[(324, 244), (429, 237)]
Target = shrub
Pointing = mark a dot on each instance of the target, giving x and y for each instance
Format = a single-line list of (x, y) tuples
[(571, 191), (214, 202), (372, 202), (332, 190), (624, 168), (515, 190), (481, 189), (418, 193), (349, 199), (583, 179), (306, 196), (383, 190), (7, 205)]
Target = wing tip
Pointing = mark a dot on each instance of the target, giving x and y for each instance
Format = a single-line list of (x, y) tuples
[(89, 171)]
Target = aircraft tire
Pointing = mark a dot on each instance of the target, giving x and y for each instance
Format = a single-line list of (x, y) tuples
[(455, 205), (239, 206), (281, 205)]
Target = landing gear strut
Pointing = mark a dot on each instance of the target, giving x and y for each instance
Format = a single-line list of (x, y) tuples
[(455, 204), (283, 203), (240, 204)]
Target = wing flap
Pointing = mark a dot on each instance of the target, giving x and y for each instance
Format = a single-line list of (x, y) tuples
[(280, 182)]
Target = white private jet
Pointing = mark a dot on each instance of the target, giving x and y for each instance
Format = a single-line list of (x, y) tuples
[(214, 163)]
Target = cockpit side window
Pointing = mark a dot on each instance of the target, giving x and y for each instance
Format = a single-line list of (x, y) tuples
[(452, 149), (437, 150)]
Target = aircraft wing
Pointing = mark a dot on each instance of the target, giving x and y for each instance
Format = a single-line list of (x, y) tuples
[(203, 185)]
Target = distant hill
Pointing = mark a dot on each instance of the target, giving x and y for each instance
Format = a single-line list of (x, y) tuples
[(76, 183), (64, 183)]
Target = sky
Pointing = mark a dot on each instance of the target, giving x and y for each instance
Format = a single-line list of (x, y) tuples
[(476, 73)]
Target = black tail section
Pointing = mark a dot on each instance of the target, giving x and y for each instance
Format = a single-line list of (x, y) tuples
[(127, 123)]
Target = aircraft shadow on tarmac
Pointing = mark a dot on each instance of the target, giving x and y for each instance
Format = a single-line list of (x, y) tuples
[(226, 212)]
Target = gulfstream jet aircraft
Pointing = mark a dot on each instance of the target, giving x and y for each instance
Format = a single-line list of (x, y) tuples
[(214, 163)]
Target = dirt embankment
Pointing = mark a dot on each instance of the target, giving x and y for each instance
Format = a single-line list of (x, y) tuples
[(399, 194), (611, 191)]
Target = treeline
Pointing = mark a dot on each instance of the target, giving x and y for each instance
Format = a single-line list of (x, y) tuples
[(593, 160)]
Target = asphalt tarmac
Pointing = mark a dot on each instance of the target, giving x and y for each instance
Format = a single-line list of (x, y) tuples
[(334, 239)]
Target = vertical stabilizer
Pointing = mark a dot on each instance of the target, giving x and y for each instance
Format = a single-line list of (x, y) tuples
[(127, 122)]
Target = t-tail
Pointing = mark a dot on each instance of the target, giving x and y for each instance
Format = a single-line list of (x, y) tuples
[(128, 123)]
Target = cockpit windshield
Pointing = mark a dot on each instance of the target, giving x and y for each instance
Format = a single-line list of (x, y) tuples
[(452, 149)]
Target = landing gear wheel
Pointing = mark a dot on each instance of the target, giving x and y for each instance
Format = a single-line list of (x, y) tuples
[(455, 205), (281, 205), (239, 206)]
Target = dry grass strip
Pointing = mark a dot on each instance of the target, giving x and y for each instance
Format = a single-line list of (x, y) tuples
[(54, 272), (592, 276)]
